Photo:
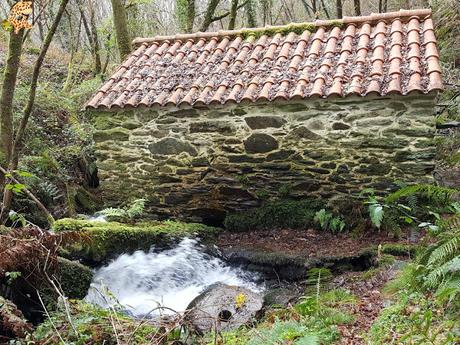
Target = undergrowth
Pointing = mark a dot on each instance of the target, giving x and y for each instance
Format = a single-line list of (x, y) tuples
[(274, 214)]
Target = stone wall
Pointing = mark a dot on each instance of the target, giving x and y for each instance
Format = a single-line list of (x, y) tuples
[(200, 163)]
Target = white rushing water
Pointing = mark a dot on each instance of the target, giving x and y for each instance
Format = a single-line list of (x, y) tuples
[(142, 282)]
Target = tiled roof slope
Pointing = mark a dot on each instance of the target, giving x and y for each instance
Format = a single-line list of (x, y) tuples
[(380, 54)]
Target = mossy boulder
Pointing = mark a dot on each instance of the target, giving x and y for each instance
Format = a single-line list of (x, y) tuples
[(74, 278), (102, 241)]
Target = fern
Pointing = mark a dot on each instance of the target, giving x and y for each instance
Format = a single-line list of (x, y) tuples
[(327, 221), (376, 213), (288, 332), (136, 209), (440, 263), (445, 251), (50, 190), (435, 277), (449, 289), (435, 194)]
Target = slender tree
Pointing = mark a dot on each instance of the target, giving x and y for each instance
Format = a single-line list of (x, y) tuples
[(324, 7), (92, 35), (250, 13), (16, 141), (7, 94), (121, 28), (338, 5), (209, 14), (233, 13), (357, 6), (186, 14)]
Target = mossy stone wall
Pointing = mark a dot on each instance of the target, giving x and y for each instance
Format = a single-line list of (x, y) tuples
[(200, 163)]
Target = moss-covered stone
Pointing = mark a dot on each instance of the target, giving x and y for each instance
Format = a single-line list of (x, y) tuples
[(85, 200), (104, 240), (116, 134), (74, 278), (399, 249)]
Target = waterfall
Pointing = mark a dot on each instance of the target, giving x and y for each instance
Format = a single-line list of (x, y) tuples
[(142, 282)]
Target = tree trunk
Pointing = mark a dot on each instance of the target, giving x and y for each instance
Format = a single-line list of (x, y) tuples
[(95, 39), (339, 8), (233, 12), (91, 33), (357, 6), (325, 9), (306, 7), (14, 157), (186, 14), (121, 28), (250, 14), (7, 95), (208, 17)]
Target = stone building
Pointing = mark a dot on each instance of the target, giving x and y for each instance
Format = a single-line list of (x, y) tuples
[(204, 123)]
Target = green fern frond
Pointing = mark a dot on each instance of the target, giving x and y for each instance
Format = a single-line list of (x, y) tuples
[(112, 212), (450, 289), (445, 251), (136, 208), (435, 277), (435, 194)]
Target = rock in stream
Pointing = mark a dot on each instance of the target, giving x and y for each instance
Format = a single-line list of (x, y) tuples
[(224, 307)]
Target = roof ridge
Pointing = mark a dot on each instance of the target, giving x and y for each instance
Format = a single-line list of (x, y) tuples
[(318, 23)]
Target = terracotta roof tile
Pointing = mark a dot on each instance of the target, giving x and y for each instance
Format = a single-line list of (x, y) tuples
[(388, 53)]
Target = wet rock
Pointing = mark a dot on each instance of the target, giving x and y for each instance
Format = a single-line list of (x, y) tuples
[(172, 146), (261, 122), (218, 307), (260, 143), (279, 297)]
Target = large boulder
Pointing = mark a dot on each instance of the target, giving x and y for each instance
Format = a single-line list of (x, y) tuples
[(223, 307)]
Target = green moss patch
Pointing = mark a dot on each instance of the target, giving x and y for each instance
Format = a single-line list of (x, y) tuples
[(274, 214), (104, 240), (284, 30), (74, 278), (399, 249)]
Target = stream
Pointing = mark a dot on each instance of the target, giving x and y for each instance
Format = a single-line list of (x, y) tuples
[(149, 284)]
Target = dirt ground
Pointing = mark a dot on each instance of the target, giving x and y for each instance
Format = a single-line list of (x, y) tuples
[(311, 243)]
